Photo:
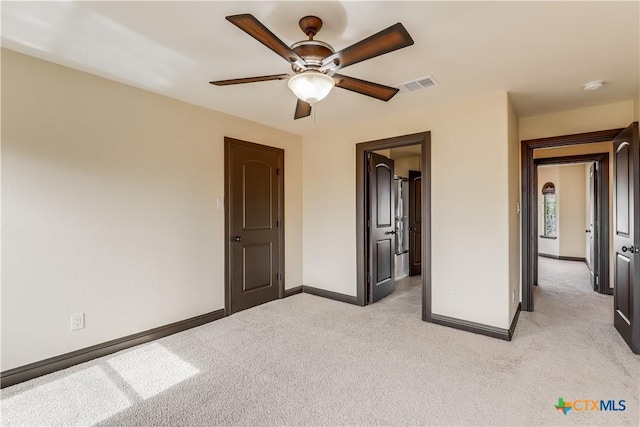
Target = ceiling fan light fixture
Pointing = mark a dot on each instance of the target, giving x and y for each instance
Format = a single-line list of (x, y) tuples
[(311, 86)]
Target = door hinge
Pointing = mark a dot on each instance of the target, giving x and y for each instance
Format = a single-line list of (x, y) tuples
[(277, 171), (368, 277), (597, 279), (279, 277), (277, 223)]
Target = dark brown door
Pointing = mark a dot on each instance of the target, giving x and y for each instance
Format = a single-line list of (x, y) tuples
[(382, 242), (593, 256), (254, 191), (415, 223), (626, 239)]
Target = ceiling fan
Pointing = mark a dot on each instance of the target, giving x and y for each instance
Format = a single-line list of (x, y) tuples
[(315, 62)]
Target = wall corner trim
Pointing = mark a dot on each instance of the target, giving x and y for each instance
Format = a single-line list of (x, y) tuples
[(292, 291), (473, 327), (514, 322), (330, 294), (67, 360), (563, 258)]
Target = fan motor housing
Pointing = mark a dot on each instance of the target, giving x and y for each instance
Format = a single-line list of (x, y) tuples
[(312, 51)]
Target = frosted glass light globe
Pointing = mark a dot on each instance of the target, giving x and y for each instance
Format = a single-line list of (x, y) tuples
[(311, 86)]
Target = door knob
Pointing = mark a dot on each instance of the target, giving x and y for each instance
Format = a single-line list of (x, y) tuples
[(237, 239), (390, 232), (632, 249)]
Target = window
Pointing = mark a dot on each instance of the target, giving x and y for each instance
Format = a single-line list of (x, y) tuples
[(550, 209)]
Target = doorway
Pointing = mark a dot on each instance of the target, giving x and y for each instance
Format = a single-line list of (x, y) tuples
[(254, 224), (530, 202), (561, 198), (378, 222), (415, 222), (626, 234), (394, 214)]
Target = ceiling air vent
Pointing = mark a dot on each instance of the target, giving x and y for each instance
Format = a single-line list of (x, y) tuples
[(419, 83)]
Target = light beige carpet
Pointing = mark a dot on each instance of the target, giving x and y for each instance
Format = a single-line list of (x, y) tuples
[(306, 360)]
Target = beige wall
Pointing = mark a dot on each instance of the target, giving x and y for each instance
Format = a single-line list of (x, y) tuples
[(470, 220), (514, 209), (572, 211), (545, 245), (109, 208), (404, 165), (386, 153), (609, 116), (110, 192)]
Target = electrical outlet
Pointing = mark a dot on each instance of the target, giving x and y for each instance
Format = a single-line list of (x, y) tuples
[(220, 204), (77, 321), (454, 296), (513, 296)]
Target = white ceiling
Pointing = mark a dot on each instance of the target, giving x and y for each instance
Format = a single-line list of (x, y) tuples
[(540, 52)]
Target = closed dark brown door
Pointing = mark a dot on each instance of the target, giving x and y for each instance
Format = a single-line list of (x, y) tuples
[(626, 240), (254, 191), (415, 223), (382, 242), (593, 256)]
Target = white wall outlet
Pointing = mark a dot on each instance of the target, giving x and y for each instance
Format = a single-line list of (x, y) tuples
[(518, 208), (219, 204), (454, 296), (513, 295), (77, 321)]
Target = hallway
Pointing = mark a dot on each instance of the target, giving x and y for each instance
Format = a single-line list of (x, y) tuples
[(572, 332), (406, 299), (564, 294)]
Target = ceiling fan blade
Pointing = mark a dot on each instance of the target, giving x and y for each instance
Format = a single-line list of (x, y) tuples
[(250, 25), (374, 90), (393, 38), (250, 80), (303, 109)]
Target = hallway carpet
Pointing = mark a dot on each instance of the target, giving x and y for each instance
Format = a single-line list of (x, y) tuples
[(307, 360)]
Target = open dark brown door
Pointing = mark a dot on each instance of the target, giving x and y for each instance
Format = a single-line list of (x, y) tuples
[(382, 242), (593, 212), (626, 239), (415, 223), (254, 191)]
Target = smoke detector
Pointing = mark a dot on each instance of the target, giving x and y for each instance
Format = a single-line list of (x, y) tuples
[(416, 84), (594, 85)]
